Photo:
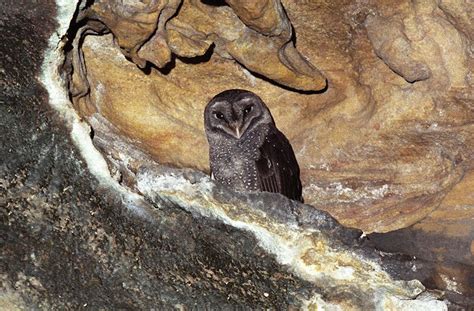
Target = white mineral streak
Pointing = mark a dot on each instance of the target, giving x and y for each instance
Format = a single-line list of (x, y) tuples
[(316, 303), (451, 284), (398, 303), (58, 99), (251, 78), (305, 252), (336, 192)]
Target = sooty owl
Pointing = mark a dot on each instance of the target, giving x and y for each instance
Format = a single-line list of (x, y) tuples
[(246, 150)]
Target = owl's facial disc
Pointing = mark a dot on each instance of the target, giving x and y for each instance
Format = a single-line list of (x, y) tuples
[(236, 114)]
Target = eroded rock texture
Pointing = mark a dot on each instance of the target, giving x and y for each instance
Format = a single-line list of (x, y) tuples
[(386, 148), (381, 149), (68, 242), (378, 149)]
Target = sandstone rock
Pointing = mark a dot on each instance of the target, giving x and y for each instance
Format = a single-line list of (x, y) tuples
[(309, 241), (377, 152), (138, 27), (140, 30), (394, 48), (461, 14), (69, 242), (446, 237)]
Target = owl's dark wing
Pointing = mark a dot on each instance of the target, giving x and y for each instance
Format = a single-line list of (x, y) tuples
[(277, 169)]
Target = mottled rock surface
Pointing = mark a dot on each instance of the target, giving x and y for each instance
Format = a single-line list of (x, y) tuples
[(69, 243), (381, 149), (377, 151)]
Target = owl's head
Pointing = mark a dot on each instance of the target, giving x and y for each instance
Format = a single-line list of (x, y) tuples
[(234, 112)]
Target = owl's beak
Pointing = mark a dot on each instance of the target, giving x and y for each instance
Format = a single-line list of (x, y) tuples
[(236, 129), (237, 132)]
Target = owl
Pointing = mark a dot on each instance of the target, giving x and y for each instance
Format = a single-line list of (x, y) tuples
[(246, 150)]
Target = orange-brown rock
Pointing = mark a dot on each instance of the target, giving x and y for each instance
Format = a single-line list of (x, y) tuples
[(265, 16), (141, 31), (445, 236), (138, 27), (376, 150)]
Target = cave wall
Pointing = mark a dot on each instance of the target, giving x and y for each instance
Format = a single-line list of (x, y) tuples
[(385, 148), (379, 146), (384, 143), (70, 242)]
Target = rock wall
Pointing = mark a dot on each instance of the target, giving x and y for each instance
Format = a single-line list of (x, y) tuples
[(379, 149), (71, 242), (375, 96)]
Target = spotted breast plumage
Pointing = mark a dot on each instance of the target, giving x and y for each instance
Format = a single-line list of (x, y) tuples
[(246, 150)]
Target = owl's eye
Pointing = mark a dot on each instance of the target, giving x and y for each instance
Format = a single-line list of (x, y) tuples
[(248, 109), (218, 115)]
